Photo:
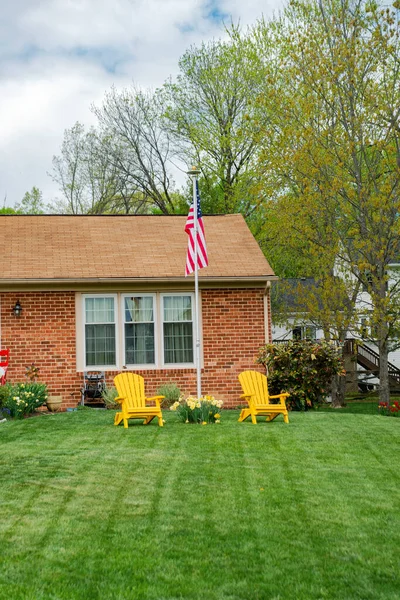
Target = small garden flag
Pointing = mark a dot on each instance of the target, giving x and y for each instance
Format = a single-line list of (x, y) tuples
[(202, 258)]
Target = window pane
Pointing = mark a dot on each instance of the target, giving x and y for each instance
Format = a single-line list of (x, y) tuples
[(100, 345), (177, 308), (139, 309), (178, 343), (310, 332), (99, 310), (139, 344), (139, 330)]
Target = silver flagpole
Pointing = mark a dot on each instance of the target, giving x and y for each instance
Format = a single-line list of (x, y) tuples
[(194, 173)]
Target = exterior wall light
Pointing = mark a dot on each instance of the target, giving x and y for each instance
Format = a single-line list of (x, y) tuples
[(17, 310)]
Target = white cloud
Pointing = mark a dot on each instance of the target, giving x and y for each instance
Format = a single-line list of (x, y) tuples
[(57, 57)]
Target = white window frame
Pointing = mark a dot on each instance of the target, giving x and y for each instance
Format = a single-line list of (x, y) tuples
[(156, 327), (161, 309), (119, 323), (83, 332)]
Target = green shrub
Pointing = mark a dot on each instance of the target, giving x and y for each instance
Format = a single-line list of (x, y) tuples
[(24, 398), (303, 368), (4, 392), (109, 394), (171, 392)]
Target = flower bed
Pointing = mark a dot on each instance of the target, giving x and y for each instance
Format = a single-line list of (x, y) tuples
[(389, 410), (204, 410), (23, 398)]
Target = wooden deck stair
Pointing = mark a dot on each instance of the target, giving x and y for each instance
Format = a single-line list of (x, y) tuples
[(369, 360)]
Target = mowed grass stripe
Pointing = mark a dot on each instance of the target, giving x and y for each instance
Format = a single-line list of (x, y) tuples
[(230, 511)]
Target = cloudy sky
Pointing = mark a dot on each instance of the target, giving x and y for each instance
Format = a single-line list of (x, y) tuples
[(57, 57)]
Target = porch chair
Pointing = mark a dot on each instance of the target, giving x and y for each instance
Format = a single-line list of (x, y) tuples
[(4, 358), (255, 388), (130, 388)]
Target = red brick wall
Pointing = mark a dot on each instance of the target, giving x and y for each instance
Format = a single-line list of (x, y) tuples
[(45, 335), (233, 330)]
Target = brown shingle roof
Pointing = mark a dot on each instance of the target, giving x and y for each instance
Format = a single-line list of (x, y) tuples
[(127, 247)]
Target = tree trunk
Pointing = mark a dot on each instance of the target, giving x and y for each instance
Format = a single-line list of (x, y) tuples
[(338, 391), (384, 390)]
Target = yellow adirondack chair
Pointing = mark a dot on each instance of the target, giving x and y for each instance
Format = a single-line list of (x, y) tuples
[(255, 388), (130, 388)]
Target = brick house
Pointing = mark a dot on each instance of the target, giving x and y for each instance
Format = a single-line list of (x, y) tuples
[(109, 293)]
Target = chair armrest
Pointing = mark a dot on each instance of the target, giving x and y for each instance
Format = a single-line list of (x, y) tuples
[(249, 398), (281, 398), (155, 399)]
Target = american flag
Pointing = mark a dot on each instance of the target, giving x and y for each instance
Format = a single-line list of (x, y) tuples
[(202, 258)]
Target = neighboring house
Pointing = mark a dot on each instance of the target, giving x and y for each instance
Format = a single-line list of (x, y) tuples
[(288, 322), (108, 293), (298, 325)]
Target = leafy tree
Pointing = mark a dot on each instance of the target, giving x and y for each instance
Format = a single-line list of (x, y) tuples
[(329, 303), (89, 178), (139, 146), (208, 110), (204, 117), (7, 210), (32, 203), (69, 171), (331, 154)]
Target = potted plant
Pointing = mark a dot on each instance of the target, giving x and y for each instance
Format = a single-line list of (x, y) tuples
[(54, 403)]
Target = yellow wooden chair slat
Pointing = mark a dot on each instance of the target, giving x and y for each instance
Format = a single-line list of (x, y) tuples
[(255, 392), (131, 396)]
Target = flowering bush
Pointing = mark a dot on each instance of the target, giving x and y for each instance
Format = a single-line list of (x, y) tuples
[(24, 398), (389, 410), (304, 369), (198, 410)]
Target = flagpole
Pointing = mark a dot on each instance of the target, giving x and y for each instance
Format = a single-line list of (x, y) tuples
[(193, 174)]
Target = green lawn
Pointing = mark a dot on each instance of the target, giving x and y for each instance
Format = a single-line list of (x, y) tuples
[(308, 510)]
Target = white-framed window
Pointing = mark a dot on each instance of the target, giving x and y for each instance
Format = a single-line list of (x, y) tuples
[(177, 320), (139, 329), (100, 332), (134, 330)]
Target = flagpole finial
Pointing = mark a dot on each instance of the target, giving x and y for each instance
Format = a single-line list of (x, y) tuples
[(194, 171)]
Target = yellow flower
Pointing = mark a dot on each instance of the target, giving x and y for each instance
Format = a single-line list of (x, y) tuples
[(217, 421), (204, 423), (217, 416)]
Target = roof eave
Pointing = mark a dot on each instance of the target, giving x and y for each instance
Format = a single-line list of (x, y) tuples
[(134, 279), (120, 283)]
